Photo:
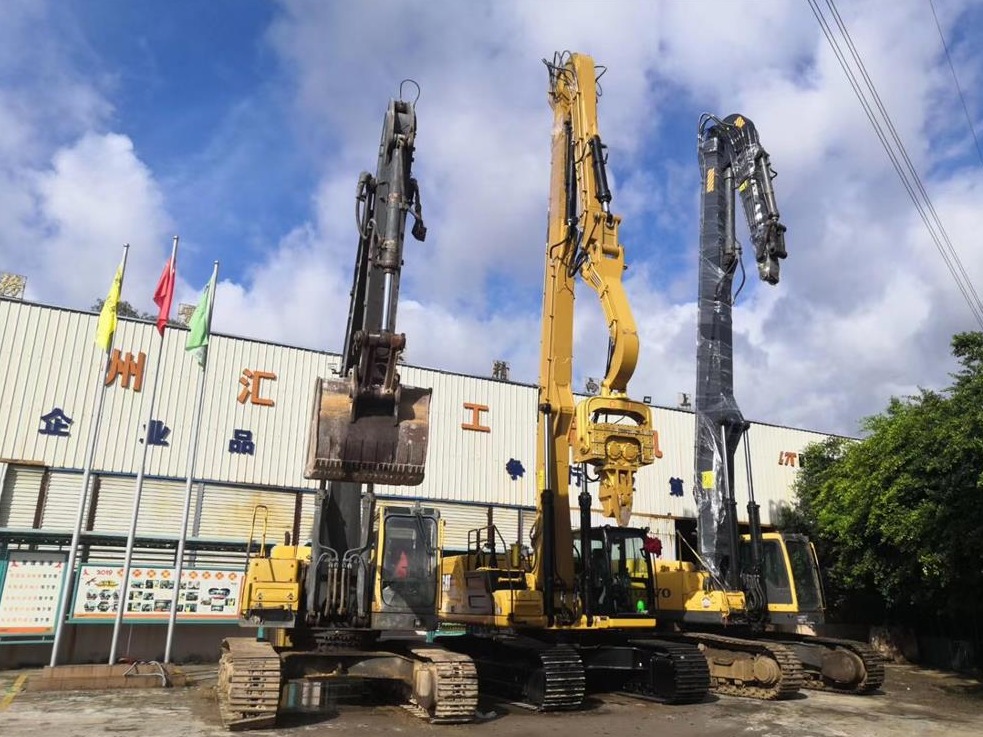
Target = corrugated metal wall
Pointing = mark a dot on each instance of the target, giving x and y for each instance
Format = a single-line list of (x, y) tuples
[(48, 360)]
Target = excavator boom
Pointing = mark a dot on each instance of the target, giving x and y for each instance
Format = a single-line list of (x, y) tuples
[(366, 426), (731, 159), (580, 608), (611, 432)]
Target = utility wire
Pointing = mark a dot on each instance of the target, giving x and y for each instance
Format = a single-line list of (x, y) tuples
[(969, 118), (946, 250), (904, 153)]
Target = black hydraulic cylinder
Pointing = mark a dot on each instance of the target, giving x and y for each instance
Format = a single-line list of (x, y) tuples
[(586, 575), (603, 192), (337, 527), (570, 183), (549, 523)]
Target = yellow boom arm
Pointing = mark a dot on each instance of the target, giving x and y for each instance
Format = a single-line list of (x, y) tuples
[(611, 432)]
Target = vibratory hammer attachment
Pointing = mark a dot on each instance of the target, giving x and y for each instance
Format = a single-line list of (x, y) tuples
[(368, 440), (615, 435)]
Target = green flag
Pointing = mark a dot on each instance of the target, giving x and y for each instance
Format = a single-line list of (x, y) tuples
[(200, 324)]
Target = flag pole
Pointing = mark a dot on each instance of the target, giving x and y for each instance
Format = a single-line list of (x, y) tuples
[(90, 453), (192, 457), (128, 556)]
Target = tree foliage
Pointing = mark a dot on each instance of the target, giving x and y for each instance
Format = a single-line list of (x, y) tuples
[(125, 309), (898, 516)]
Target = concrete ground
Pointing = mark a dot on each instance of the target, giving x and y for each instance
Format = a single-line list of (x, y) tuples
[(913, 701)]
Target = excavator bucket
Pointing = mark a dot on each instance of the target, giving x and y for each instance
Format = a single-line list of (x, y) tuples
[(371, 449)]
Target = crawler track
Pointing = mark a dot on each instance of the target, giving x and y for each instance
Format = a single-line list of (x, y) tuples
[(678, 673), (563, 681), (533, 675), (750, 668), (455, 696), (248, 684), (872, 665)]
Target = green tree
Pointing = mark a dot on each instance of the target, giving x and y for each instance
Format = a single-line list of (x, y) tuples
[(125, 309), (898, 516)]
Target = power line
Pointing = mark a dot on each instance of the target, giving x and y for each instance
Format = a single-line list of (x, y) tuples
[(911, 184), (952, 68), (904, 153)]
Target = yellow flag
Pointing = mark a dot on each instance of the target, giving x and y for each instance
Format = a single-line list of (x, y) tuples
[(107, 318)]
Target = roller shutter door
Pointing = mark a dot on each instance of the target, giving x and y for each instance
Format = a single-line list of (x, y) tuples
[(161, 507), (459, 520), (19, 496), (307, 517), (114, 505), (61, 501), (507, 523), (227, 512), (527, 520)]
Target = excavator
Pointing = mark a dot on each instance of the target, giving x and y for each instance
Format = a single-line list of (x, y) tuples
[(750, 597), (343, 611), (576, 613)]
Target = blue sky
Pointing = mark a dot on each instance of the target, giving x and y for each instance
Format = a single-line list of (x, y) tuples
[(199, 91), (243, 126)]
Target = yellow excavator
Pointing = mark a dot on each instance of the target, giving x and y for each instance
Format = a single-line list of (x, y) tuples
[(344, 611), (750, 599), (578, 612)]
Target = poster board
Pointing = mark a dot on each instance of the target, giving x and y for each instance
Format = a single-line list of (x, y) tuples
[(204, 594), (30, 593)]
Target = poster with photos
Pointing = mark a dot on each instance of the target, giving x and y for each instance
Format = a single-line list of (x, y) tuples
[(203, 595)]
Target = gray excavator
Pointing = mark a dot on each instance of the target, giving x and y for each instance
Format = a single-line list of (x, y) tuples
[(751, 599), (347, 609)]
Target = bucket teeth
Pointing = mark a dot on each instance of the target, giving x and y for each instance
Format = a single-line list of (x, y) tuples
[(372, 449)]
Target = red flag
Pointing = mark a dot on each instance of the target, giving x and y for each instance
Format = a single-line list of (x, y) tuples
[(164, 295)]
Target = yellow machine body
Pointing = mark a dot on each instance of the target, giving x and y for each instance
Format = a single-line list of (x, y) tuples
[(610, 431), (684, 588), (510, 600), (688, 592), (274, 583)]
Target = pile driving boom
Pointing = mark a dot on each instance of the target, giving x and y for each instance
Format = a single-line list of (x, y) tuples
[(578, 612)]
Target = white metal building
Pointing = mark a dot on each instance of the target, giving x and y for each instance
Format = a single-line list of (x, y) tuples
[(253, 441)]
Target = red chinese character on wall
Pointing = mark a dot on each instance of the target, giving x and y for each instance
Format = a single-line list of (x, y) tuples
[(251, 381), (475, 424), (126, 367)]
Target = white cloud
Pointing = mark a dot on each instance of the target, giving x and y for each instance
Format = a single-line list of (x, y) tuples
[(865, 308)]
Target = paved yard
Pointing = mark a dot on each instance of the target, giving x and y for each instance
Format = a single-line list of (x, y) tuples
[(914, 701)]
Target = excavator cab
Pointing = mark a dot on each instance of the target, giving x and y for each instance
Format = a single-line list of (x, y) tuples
[(790, 570), (406, 573), (618, 571)]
